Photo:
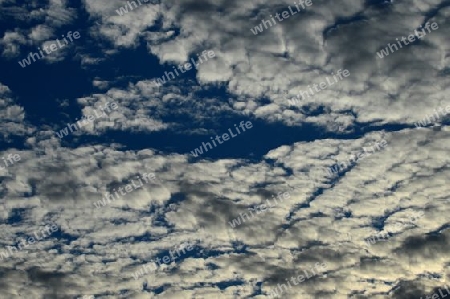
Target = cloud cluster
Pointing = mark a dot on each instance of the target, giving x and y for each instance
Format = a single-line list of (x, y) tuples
[(325, 219), (380, 191)]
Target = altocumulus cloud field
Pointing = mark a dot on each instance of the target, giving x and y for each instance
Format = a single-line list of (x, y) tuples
[(328, 216)]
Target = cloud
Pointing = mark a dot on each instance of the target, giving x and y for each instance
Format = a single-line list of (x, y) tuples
[(12, 116), (327, 217)]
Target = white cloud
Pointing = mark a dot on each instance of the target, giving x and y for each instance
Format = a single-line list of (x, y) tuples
[(410, 175)]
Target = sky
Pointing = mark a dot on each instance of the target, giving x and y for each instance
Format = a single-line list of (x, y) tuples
[(269, 140)]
